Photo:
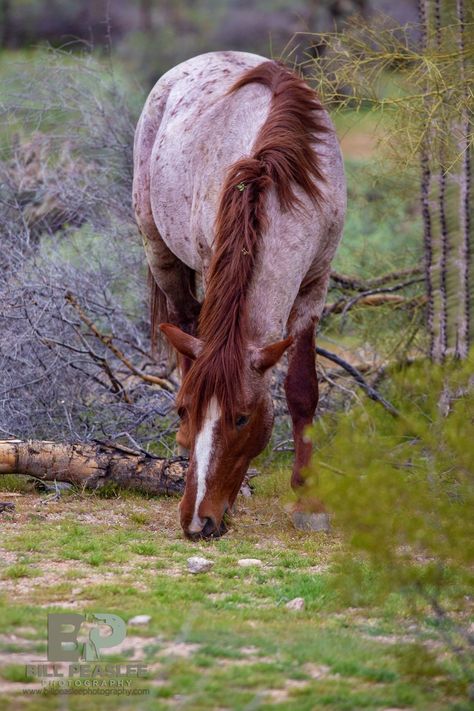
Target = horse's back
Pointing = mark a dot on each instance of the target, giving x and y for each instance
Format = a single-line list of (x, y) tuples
[(190, 131)]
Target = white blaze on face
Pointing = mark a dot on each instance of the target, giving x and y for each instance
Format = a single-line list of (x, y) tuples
[(203, 452)]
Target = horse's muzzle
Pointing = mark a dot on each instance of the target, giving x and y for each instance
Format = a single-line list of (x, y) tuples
[(209, 530)]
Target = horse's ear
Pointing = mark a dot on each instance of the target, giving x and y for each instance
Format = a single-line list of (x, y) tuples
[(267, 357), (184, 343)]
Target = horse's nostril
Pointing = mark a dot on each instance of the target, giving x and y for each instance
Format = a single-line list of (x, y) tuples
[(208, 528)]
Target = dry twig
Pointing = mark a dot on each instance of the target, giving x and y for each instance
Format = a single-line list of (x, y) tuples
[(107, 341)]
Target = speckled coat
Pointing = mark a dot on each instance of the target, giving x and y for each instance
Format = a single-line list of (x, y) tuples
[(188, 134), (191, 131)]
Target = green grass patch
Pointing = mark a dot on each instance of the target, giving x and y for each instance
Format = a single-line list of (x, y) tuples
[(16, 673), (19, 570), (225, 639)]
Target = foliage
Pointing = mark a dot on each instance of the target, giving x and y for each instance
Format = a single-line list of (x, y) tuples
[(432, 129), (151, 36), (352, 73), (67, 124), (67, 227), (402, 490)]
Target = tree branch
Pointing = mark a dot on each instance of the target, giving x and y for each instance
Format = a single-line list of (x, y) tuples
[(107, 341), (347, 281), (360, 380)]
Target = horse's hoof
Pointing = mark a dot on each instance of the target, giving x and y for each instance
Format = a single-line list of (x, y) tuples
[(304, 521)]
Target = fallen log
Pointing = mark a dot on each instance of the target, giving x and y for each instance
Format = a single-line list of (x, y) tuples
[(94, 466)]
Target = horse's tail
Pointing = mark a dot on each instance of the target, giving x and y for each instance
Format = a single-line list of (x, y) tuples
[(283, 158), (158, 310)]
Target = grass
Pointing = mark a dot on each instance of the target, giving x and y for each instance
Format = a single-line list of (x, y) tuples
[(219, 640), (18, 570), (225, 640)]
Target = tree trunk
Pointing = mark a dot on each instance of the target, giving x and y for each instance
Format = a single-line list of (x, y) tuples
[(464, 326), (94, 466), (445, 190)]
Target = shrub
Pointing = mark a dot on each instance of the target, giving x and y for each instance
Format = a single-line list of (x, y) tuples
[(402, 491)]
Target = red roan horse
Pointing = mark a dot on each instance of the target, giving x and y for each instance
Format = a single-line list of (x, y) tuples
[(239, 179)]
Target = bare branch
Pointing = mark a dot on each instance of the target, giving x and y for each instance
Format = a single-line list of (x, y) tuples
[(107, 341), (347, 281), (360, 380)]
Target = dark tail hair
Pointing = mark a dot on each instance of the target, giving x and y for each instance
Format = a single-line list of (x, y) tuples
[(158, 310)]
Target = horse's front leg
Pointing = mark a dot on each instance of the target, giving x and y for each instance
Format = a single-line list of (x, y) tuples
[(301, 388)]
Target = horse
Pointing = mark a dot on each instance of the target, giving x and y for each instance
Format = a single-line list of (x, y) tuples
[(239, 194)]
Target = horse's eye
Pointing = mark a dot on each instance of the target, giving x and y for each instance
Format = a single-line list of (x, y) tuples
[(181, 412), (241, 421)]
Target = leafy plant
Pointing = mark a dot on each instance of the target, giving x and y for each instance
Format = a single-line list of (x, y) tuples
[(402, 491), (431, 107)]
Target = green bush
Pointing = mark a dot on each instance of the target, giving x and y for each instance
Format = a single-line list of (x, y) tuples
[(402, 492), (402, 489)]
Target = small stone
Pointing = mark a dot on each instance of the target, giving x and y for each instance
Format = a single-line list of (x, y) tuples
[(249, 562), (140, 620), (196, 564), (296, 604)]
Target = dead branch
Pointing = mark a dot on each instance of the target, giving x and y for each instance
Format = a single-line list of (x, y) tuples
[(379, 292), (102, 362), (343, 305), (360, 380), (107, 341), (346, 281)]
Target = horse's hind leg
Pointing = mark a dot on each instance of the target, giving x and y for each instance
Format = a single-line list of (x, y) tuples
[(172, 283), (173, 298), (301, 388)]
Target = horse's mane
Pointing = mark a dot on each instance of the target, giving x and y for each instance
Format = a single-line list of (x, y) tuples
[(283, 157)]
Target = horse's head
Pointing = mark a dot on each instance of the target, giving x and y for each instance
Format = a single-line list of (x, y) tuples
[(221, 439)]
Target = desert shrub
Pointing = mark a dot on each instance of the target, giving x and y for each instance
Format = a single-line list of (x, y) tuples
[(402, 491), (67, 229)]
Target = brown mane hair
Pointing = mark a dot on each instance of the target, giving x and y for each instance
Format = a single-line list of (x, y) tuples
[(283, 157)]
